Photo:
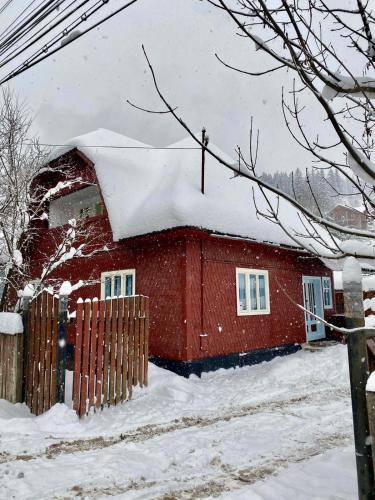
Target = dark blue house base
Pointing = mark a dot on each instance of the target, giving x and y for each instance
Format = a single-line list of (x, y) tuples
[(197, 366)]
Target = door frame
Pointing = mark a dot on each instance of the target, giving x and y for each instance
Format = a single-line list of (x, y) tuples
[(319, 332)]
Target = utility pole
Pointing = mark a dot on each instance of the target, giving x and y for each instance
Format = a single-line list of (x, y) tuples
[(204, 141), (358, 371)]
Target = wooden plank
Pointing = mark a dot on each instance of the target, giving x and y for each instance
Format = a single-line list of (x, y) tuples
[(35, 389), (112, 370), (78, 356), (2, 365), (107, 342), (93, 348), (85, 358), (20, 368), (30, 354), (99, 357), (125, 347), (136, 340), (119, 348), (147, 327), (42, 350), (54, 337), (141, 340), (47, 381), (131, 346)]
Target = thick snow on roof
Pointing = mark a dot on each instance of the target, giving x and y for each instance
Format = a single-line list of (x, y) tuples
[(147, 190)]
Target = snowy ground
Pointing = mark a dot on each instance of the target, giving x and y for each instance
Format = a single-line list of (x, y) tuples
[(280, 430)]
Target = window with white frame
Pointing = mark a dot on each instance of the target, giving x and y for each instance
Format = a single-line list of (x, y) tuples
[(116, 283), (327, 292), (252, 291)]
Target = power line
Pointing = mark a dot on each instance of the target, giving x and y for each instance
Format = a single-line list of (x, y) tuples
[(45, 52), (63, 36), (17, 18), (17, 51), (5, 6), (112, 147)]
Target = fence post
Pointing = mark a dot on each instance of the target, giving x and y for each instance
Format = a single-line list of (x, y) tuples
[(25, 319), (61, 348), (358, 371)]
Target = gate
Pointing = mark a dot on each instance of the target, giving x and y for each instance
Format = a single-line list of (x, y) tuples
[(41, 353), (111, 351)]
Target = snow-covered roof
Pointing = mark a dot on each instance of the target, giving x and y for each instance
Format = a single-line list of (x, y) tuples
[(361, 209), (147, 190)]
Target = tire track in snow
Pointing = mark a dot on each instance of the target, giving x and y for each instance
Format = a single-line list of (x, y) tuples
[(150, 431), (225, 479)]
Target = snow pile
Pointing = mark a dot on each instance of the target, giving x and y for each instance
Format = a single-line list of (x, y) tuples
[(147, 190), (175, 439), (66, 288), (10, 323), (370, 386)]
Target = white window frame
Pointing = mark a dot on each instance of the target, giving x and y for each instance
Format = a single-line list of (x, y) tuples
[(111, 274), (248, 311), (330, 305)]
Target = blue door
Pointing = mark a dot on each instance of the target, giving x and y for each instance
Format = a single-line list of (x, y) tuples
[(313, 302)]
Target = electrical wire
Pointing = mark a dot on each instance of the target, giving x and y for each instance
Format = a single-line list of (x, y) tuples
[(38, 57), (5, 6), (42, 6), (111, 147), (17, 51)]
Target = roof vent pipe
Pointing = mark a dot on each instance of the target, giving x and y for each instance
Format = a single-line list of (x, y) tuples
[(204, 142)]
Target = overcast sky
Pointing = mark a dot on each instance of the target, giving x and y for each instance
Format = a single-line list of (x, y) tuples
[(85, 85)]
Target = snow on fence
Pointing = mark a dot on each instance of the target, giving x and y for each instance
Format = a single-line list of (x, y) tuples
[(111, 351), (11, 355)]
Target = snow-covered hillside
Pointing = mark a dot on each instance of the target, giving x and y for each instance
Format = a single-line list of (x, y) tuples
[(278, 430)]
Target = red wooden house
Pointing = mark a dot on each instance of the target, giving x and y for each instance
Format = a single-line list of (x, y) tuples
[(216, 274)]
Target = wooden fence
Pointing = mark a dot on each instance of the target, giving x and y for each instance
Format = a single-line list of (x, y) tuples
[(111, 351), (41, 353), (11, 356)]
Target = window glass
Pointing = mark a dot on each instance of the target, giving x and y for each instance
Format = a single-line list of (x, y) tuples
[(327, 292), (117, 286), (108, 287), (129, 284), (117, 283), (242, 291), (262, 292), (253, 292)]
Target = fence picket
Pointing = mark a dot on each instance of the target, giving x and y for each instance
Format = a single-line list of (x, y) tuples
[(47, 380), (78, 357), (119, 347), (99, 357), (141, 340), (107, 337), (145, 355), (131, 346), (54, 335), (125, 343), (93, 349), (83, 407), (42, 356), (30, 354)]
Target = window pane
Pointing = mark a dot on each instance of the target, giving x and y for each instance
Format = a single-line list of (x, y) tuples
[(253, 292), (129, 284), (242, 292), (107, 287), (117, 286), (262, 292)]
